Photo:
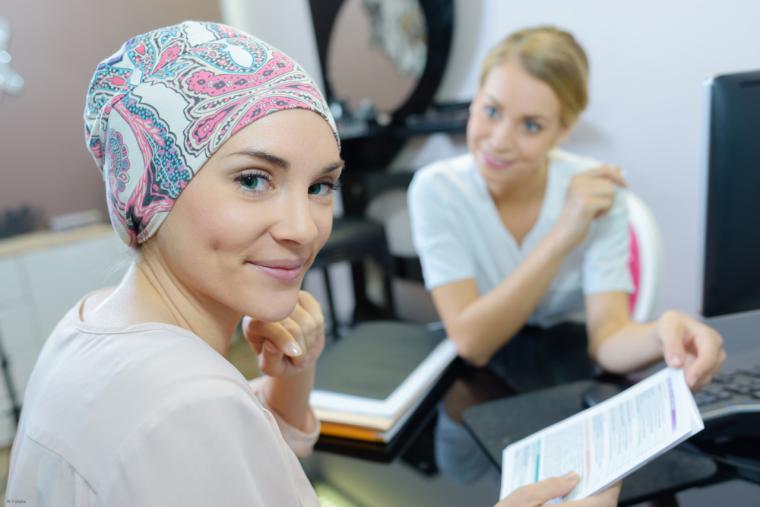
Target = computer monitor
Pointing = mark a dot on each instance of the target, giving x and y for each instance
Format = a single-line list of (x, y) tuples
[(731, 183)]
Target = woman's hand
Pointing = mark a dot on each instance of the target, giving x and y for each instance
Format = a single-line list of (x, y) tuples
[(539, 493), (590, 195), (292, 345), (692, 345)]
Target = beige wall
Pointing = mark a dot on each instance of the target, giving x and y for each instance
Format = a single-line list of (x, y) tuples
[(55, 46), (357, 69)]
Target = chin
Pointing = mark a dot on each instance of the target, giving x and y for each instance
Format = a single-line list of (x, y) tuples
[(272, 307)]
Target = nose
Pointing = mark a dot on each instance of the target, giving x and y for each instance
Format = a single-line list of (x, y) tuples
[(295, 220), (501, 137)]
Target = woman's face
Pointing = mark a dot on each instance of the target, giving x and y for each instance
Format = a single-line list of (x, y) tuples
[(514, 122), (243, 233)]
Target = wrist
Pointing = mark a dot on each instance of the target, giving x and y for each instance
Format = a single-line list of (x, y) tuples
[(668, 326), (667, 319), (558, 241), (305, 375)]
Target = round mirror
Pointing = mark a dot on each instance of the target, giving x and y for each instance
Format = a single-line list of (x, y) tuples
[(410, 35), (376, 53)]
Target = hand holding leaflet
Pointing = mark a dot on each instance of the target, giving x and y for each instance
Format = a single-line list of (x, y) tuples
[(607, 442)]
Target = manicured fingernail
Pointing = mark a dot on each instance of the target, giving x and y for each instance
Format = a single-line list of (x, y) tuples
[(675, 361), (571, 477), (293, 349)]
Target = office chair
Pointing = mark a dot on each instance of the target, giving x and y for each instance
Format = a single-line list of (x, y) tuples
[(356, 239), (645, 258)]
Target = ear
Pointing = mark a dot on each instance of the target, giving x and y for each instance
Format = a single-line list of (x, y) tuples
[(564, 133)]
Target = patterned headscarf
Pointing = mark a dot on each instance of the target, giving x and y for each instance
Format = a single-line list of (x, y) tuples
[(168, 99)]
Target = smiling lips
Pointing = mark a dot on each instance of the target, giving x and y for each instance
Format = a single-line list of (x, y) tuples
[(281, 270), (495, 162)]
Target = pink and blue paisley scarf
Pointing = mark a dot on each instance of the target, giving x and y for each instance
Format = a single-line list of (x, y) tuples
[(168, 99)]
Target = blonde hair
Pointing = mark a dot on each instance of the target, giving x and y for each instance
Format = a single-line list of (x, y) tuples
[(552, 56)]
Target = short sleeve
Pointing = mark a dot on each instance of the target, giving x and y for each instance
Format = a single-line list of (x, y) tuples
[(605, 263), (435, 232), (213, 444), (302, 443)]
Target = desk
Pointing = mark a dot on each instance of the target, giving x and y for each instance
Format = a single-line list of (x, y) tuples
[(375, 484), (494, 425), (432, 482)]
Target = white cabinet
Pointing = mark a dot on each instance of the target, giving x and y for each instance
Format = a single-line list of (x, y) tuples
[(41, 277), (58, 277), (10, 282)]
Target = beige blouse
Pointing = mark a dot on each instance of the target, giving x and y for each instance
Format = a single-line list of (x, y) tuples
[(150, 415)]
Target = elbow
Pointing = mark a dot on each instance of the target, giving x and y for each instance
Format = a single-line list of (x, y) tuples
[(606, 361), (478, 360), (468, 349)]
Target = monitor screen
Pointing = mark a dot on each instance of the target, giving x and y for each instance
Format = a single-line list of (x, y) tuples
[(731, 263)]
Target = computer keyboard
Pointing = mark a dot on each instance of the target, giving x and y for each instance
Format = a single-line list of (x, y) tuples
[(730, 404)]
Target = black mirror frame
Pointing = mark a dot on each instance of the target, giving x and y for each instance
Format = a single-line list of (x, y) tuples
[(439, 20)]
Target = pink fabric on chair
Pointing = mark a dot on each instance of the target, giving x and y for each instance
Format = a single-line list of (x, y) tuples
[(634, 264)]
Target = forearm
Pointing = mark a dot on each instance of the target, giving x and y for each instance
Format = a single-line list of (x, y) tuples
[(490, 321), (628, 348), (289, 397)]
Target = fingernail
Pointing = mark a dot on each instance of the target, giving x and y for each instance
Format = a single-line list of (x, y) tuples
[(293, 349), (571, 477), (675, 361)]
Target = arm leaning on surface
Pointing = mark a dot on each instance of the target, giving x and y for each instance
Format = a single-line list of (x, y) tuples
[(620, 345), (481, 324), (616, 343)]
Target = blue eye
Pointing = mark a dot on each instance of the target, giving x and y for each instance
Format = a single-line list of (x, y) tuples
[(323, 188), (532, 126), (253, 182), (491, 111)]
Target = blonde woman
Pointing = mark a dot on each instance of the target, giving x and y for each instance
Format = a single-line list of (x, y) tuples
[(518, 231), (524, 246)]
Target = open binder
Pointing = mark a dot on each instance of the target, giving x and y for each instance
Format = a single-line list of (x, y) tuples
[(370, 383)]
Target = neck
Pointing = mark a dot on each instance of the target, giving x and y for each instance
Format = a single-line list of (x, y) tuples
[(149, 292)]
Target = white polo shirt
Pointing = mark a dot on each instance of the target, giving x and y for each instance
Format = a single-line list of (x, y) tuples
[(459, 235)]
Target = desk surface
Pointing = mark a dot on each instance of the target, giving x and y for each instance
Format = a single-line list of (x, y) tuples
[(491, 421), (495, 425)]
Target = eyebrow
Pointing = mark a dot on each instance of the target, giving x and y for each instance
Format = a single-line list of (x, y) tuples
[(493, 99), (529, 116), (281, 162)]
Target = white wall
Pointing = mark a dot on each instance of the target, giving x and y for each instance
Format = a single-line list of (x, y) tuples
[(648, 62), (286, 24)]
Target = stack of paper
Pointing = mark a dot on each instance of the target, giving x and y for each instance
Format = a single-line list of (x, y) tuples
[(605, 443), (369, 383)]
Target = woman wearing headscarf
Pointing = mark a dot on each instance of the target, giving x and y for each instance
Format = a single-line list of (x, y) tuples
[(525, 246), (219, 158)]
